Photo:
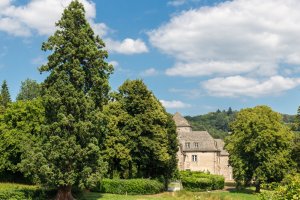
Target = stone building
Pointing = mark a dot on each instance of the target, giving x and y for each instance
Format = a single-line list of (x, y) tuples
[(199, 151)]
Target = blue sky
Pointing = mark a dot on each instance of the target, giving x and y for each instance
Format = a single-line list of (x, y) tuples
[(195, 55)]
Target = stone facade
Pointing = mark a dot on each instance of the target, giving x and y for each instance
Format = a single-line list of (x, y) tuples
[(199, 151)]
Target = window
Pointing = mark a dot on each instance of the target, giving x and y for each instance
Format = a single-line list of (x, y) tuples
[(187, 145), (194, 158), (196, 144)]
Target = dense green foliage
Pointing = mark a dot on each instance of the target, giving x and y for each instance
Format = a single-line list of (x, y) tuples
[(259, 146), (20, 124), (5, 96), (21, 192), (289, 189), (131, 186), (216, 123), (141, 138), (296, 150), (68, 153), (30, 89), (199, 181)]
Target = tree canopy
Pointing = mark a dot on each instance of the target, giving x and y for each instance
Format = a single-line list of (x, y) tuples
[(259, 146), (30, 89), (77, 87), (20, 125), (141, 140)]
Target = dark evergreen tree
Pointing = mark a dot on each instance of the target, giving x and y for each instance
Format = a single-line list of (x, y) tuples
[(5, 96), (229, 111), (74, 92), (30, 89)]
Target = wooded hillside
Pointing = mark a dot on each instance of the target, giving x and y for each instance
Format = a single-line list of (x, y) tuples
[(217, 123)]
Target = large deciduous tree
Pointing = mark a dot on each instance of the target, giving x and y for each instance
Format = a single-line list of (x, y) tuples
[(30, 89), (5, 96), (76, 89), (259, 146), (150, 132), (20, 125)]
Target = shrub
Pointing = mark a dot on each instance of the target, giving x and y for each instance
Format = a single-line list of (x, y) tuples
[(12, 191), (197, 184), (131, 186), (288, 190), (199, 181)]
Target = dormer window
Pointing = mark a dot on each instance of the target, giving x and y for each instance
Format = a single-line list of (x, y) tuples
[(196, 145), (187, 145)]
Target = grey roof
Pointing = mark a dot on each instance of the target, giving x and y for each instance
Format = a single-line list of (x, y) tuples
[(220, 146), (180, 121), (203, 138)]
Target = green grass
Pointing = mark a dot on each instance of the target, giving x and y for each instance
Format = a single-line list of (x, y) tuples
[(182, 195), (246, 194)]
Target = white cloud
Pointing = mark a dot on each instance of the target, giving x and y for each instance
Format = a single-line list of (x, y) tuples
[(234, 37), (40, 60), (40, 16), (13, 27), (127, 46), (4, 3), (174, 104), (176, 2), (149, 72), (100, 29), (234, 86)]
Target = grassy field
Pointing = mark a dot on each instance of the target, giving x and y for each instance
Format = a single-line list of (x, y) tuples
[(182, 195)]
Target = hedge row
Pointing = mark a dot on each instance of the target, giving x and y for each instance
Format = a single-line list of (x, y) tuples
[(21, 194), (14, 191), (199, 181), (131, 186)]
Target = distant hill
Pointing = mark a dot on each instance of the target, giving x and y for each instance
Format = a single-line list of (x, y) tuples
[(217, 123)]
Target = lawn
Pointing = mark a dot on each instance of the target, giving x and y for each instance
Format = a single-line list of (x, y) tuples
[(181, 195)]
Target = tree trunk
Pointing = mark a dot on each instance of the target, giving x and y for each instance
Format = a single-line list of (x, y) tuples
[(130, 170), (111, 171), (257, 186), (64, 193), (166, 182)]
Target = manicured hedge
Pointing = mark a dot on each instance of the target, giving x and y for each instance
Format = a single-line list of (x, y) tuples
[(199, 181), (131, 186), (14, 191)]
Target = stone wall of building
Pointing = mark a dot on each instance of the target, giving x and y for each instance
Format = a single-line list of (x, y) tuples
[(206, 161), (225, 169)]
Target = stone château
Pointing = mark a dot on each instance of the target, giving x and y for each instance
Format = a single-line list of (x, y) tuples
[(199, 151)]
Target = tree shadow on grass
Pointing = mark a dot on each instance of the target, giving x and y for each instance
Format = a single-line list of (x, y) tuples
[(91, 196), (243, 191), (231, 187)]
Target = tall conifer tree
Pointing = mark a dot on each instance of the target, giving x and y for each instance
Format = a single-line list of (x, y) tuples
[(5, 96), (77, 87)]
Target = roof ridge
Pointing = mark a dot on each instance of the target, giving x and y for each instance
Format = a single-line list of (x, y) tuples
[(180, 121)]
